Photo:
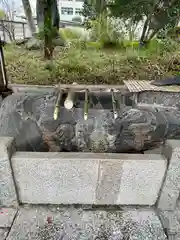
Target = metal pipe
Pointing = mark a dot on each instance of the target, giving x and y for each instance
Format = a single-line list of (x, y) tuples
[(114, 104), (57, 105), (86, 105)]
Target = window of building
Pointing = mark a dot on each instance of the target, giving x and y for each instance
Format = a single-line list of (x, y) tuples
[(78, 11), (66, 11)]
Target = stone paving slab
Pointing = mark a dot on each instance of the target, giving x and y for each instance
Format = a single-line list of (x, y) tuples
[(171, 186), (3, 234), (40, 223), (8, 196), (6, 217), (171, 222)]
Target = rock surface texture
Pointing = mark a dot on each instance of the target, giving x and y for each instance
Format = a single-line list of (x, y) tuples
[(30, 120), (77, 224)]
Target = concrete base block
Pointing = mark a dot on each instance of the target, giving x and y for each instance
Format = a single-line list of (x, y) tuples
[(88, 178), (7, 188), (55, 178), (141, 180)]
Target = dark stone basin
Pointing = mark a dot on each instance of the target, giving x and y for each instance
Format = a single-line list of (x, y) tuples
[(29, 119)]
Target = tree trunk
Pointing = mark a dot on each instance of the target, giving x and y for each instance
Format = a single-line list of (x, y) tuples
[(28, 13), (153, 34), (144, 30), (48, 29), (148, 20), (55, 18)]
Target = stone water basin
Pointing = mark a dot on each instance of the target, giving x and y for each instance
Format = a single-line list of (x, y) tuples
[(70, 160), (28, 117)]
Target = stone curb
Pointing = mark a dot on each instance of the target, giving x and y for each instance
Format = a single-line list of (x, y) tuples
[(171, 187), (8, 196)]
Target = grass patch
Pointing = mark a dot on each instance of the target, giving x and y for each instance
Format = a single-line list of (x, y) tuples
[(89, 63)]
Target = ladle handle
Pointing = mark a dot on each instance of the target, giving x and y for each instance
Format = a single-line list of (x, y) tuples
[(57, 105), (114, 104), (86, 105)]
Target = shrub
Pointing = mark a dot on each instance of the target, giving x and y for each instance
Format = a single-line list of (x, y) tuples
[(86, 62), (69, 34), (103, 31), (162, 46)]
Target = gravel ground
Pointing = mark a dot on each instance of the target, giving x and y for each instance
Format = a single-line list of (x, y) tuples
[(54, 223)]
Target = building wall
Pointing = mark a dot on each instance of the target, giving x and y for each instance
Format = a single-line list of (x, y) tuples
[(69, 9)]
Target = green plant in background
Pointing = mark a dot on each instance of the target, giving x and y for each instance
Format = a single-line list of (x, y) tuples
[(160, 47), (174, 33), (134, 45), (154, 14), (94, 45), (104, 32), (46, 30), (69, 34), (93, 8), (2, 14), (111, 51)]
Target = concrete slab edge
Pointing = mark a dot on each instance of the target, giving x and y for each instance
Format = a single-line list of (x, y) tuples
[(8, 194), (168, 205), (171, 187)]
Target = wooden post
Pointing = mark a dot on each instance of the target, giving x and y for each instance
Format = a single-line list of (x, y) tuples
[(3, 77)]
